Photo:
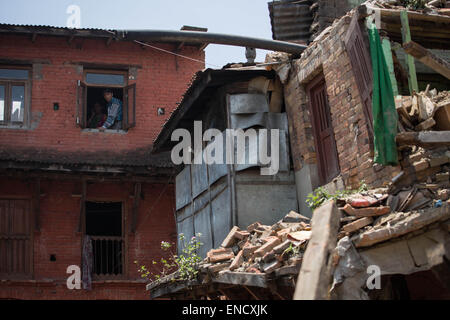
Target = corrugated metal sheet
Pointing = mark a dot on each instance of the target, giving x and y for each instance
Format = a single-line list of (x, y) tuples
[(291, 20)]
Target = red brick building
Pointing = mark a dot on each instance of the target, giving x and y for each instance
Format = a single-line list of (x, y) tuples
[(61, 180)]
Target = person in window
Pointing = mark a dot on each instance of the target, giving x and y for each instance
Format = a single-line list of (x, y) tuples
[(98, 117), (114, 105)]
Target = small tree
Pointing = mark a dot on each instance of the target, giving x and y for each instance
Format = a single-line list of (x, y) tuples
[(186, 263)]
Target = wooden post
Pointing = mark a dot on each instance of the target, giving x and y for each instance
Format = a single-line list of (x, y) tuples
[(406, 37), (387, 51), (314, 279)]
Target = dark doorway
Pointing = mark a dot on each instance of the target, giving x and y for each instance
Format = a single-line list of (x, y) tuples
[(326, 152), (104, 226)]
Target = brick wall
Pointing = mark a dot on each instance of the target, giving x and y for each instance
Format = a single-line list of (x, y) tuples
[(58, 235), (350, 130), (160, 82)]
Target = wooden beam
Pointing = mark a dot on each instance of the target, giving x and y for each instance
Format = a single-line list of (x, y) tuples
[(427, 58), (424, 138), (242, 278), (406, 37), (137, 198), (314, 279)]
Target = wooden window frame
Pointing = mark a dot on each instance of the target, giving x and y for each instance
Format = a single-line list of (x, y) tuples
[(8, 83), (124, 275), (30, 275), (129, 120)]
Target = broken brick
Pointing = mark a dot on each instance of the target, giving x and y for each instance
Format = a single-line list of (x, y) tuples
[(442, 176), (230, 238), (221, 254), (282, 247), (238, 260), (293, 216), (269, 256), (421, 165), (438, 161), (366, 212), (248, 249), (270, 267), (271, 243), (282, 234), (218, 267), (253, 226), (358, 224), (241, 234)]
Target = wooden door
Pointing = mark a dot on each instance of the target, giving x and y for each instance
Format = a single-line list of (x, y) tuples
[(326, 152)]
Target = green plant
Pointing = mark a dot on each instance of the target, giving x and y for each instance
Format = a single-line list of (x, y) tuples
[(186, 263), (320, 195)]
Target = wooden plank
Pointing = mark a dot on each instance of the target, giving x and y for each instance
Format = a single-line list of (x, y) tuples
[(428, 58), (411, 222), (314, 279), (406, 37), (387, 51), (242, 278)]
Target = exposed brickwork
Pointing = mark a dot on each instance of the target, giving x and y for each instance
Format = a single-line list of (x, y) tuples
[(349, 123), (58, 235), (160, 83)]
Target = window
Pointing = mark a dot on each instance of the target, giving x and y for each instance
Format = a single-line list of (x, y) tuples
[(15, 239), (104, 225), (14, 96), (327, 157), (90, 93)]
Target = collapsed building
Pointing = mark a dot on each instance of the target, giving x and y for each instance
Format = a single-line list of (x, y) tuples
[(399, 223)]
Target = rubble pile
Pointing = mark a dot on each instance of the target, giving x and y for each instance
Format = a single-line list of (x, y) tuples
[(426, 110), (427, 6), (261, 248), (422, 185)]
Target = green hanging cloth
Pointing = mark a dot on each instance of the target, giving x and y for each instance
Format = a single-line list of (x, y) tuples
[(384, 113)]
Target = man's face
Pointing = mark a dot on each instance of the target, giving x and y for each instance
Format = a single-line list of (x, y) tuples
[(108, 96)]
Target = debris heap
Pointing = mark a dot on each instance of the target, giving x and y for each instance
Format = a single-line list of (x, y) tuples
[(419, 195), (261, 248)]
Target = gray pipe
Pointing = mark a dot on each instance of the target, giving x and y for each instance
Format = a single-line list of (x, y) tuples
[(206, 37)]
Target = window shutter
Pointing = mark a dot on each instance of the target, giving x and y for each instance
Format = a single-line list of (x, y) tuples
[(15, 238), (362, 68), (129, 106), (81, 104)]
